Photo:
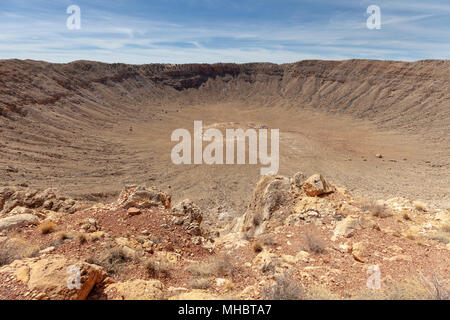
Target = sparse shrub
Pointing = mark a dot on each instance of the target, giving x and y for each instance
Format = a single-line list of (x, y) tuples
[(201, 283), (203, 273), (82, 238), (321, 293), (445, 228), (315, 243), (218, 267), (409, 289), (438, 289), (406, 216), (440, 236), (158, 268), (95, 236), (257, 246), (111, 259), (229, 285), (152, 267), (268, 267), (420, 206), (256, 220), (285, 288), (409, 234), (47, 227), (169, 247), (269, 241), (63, 236), (376, 209), (223, 266)]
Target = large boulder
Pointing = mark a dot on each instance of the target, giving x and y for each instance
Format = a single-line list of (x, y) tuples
[(316, 185), (270, 194), (135, 290), (56, 277), (143, 198), (19, 220)]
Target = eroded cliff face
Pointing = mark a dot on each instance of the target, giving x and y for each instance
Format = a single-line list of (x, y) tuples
[(410, 95)]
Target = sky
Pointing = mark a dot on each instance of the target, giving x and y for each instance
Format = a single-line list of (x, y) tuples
[(210, 31)]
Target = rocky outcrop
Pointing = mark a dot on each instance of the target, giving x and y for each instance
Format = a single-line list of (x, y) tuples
[(15, 200), (347, 227), (316, 185), (189, 215), (56, 277), (141, 197), (277, 199), (19, 220), (270, 194), (191, 211)]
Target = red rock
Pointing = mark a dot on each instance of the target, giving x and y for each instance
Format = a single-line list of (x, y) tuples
[(133, 211)]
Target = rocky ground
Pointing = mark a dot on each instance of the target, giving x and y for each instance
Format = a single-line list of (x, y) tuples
[(300, 238)]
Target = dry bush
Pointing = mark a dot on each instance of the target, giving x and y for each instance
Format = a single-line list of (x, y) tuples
[(82, 238), (201, 283), (269, 267), (409, 289), (203, 273), (256, 220), (406, 216), (15, 249), (223, 266), (220, 266), (420, 206), (269, 241), (321, 293), (229, 285), (445, 228), (437, 287), (409, 234), (158, 268), (315, 243), (62, 235), (111, 259), (47, 227), (441, 236), (257, 246), (285, 288), (89, 237), (376, 209)]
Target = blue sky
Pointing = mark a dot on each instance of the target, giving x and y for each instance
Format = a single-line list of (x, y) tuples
[(197, 31)]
